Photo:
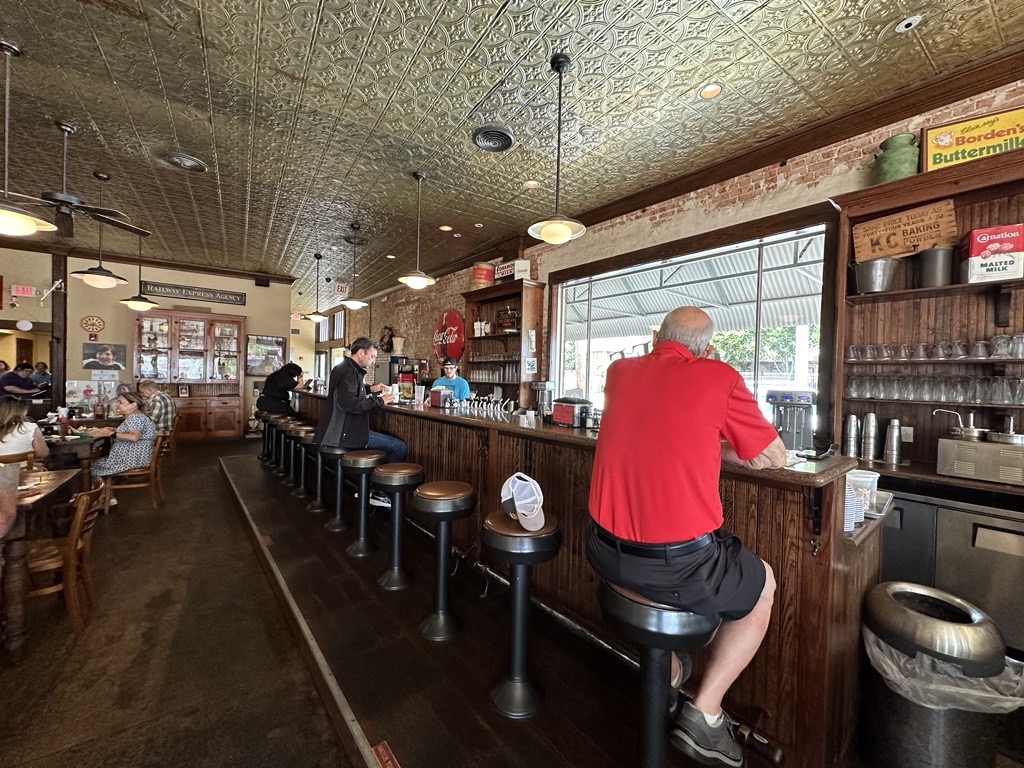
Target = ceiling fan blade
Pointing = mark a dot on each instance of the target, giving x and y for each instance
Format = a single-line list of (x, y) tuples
[(119, 224), (91, 209), (65, 221), (29, 199)]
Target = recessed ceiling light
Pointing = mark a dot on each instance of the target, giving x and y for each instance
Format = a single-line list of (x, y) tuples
[(478, 225), (456, 235), (709, 90), (186, 162), (390, 256), (531, 184), (445, 228), (909, 23)]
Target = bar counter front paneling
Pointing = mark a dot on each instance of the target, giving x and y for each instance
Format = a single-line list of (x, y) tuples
[(801, 691)]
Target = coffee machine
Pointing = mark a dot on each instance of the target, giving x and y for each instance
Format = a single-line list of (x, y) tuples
[(793, 416), (544, 391)]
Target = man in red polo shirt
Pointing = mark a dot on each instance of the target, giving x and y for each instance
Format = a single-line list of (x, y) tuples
[(658, 516)]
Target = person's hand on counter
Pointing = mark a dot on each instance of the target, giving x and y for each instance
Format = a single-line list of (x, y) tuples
[(772, 457), (101, 431), (386, 397), (379, 387)]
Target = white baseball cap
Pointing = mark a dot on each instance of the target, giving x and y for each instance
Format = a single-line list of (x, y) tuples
[(521, 497)]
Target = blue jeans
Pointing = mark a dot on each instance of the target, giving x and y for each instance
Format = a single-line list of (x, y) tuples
[(392, 446)]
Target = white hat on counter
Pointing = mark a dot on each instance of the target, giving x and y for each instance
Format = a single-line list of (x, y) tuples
[(522, 498)]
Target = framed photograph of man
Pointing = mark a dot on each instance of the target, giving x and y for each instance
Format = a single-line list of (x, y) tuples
[(104, 357), (264, 354)]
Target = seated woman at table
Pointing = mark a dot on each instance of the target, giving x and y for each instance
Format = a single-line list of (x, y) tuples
[(132, 444), (276, 388), (18, 435)]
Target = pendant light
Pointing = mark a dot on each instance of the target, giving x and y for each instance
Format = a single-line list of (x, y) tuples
[(417, 280), (558, 229), (316, 317), (14, 220), (139, 302), (350, 302), (99, 276)]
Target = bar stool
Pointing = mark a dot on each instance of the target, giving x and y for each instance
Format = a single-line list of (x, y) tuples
[(443, 502), (394, 480), (361, 464), (293, 437), (306, 441), (336, 524), (316, 506), (270, 423), (660, 629), (515, 695), (262, 416), (280, 448)]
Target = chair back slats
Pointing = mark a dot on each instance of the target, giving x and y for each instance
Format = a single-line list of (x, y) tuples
[(16, 458), (88, 505)]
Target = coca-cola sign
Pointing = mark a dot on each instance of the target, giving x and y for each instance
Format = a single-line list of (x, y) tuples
[(449, 335)]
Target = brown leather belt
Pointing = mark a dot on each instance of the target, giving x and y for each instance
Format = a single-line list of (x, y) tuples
[(653, 551)]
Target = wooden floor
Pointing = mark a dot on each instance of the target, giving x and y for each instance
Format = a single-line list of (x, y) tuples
[(429, 701)]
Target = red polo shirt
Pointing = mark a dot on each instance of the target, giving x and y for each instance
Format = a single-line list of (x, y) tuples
[(658, 457)]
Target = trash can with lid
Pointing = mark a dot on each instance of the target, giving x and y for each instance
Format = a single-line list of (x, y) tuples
[(940, 678)]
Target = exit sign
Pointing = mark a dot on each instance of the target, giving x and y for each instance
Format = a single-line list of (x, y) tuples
[(25, 291)]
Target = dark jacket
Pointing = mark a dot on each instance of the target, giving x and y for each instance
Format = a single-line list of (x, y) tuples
[(344, 422)]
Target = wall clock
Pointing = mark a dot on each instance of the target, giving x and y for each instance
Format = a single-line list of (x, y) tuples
[(92, 323)]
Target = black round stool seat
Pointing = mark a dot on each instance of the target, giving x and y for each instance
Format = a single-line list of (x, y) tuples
[(332, 450), (443, 501), (395, 479), (660, 629), (512, 543), (298, 430), (515, 695), (361, 464), (308, 439)]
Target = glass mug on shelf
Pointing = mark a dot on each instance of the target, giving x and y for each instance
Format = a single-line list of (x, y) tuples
[(853, 353), (940, 350), (885, 351), (902, 352), (1017, 346), (871, 352), (920, 351), (959, 350), (979, 350), (1000, 346)]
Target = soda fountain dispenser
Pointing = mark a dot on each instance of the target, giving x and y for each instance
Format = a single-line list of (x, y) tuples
[(793, 416)]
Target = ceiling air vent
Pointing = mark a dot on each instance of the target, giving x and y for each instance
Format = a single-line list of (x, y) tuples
[(186, 162), (493, 138)]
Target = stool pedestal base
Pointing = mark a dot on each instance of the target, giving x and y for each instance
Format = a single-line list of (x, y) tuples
[(439, 627), (516, 698), (361, 548), (395, 579)]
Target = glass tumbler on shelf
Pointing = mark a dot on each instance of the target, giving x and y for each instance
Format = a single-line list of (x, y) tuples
[(853, 386), (1000, 346), (1017, 346), (908, 388)]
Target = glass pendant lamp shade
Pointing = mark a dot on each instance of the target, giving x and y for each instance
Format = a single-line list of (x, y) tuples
[(351, 302), (316, 317), (558, 229), (139, 302), (416, 279), (15, 221)]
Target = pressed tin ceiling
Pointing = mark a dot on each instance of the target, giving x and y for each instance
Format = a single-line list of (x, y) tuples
[(311, 115)]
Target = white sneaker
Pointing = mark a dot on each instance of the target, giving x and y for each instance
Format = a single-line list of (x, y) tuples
[(113, 501), (378, 499)]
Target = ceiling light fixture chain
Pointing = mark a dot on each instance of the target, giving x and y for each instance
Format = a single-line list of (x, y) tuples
[(99, 276), (558, 229), (140, 302), (417, 279), (350, 301), (317, 316)]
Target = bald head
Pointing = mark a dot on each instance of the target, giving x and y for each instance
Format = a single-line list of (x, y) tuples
[(690, 326)]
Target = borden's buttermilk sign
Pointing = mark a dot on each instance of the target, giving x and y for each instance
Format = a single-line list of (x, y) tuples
[(972, 139)]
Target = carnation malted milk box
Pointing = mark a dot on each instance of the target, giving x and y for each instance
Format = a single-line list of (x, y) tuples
[(992, 253)]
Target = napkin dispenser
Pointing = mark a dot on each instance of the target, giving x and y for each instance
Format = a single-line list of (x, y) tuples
[(441, 397)]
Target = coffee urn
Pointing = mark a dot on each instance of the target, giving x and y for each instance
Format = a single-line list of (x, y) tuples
[(793, 416), (544, 391)]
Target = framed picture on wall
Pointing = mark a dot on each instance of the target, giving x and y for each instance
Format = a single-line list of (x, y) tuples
[(104, 357), (183, 390), (264, 354)]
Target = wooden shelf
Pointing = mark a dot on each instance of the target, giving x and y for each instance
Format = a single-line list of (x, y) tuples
[(502, 335), (925, 293)]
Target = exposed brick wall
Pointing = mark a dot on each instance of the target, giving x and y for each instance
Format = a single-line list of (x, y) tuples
[(803, 180)]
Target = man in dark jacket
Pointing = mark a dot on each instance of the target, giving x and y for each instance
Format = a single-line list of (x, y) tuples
[(345, 421)]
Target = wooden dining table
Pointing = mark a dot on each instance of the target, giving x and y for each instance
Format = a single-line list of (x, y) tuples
[(72, 451), (35, 518)]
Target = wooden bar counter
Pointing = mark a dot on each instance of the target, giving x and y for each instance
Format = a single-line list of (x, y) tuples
[(801, 691)]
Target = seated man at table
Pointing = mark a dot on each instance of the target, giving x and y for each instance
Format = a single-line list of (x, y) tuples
[(159, 406), (17, 385)]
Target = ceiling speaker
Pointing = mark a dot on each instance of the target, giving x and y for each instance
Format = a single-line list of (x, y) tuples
[(262, 281)]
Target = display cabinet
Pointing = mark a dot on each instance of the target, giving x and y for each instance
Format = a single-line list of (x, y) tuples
[(507, 357), (195, 358), (905, 352)]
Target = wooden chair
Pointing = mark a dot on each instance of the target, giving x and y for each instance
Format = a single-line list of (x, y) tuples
[(16, 458), (141, 477), (69, 558), (172, 439)]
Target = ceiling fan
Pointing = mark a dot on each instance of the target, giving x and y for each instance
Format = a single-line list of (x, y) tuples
[(66, 205)]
